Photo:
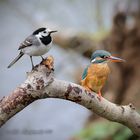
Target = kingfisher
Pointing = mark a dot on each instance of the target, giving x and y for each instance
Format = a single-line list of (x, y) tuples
[(96, 73)]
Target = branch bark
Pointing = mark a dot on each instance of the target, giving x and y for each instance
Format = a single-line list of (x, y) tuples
[(40, 83)]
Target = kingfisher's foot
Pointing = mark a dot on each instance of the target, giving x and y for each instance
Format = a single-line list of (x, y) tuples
[(99, 96)]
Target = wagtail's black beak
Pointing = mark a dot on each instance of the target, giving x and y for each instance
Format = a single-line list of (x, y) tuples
[(52, 32)]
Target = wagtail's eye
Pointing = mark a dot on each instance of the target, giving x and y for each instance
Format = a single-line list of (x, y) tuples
[(44, 32)]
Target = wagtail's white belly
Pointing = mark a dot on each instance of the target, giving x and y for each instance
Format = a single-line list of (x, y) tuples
[(36, 50)]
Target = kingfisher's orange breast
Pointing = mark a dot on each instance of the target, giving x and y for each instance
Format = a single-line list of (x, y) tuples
[(96, 76)]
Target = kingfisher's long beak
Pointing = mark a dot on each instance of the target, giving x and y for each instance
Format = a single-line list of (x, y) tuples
[(52, 32), (115, 59)]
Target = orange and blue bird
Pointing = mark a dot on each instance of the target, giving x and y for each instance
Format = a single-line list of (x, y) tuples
[(96, 74)]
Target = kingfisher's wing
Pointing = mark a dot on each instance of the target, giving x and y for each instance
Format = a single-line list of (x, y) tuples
[(29, 41), (85, 73)]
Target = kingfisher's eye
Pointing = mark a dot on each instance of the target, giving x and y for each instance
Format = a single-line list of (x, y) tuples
[(104, 56), (44, 32)]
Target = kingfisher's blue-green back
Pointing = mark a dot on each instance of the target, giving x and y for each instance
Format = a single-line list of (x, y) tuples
[(85, 73)]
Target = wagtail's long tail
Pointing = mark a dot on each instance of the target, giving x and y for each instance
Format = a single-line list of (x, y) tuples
[(16, 59)]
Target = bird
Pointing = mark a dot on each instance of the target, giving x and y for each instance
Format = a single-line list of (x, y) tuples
[(36, 44), (96, 73)]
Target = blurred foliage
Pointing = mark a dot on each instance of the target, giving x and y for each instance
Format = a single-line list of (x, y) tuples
[(104, 130), (100, 35)]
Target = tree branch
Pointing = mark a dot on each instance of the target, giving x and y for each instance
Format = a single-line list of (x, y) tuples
[(40, 83)]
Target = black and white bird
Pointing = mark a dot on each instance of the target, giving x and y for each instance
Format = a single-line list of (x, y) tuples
[(36, 44)]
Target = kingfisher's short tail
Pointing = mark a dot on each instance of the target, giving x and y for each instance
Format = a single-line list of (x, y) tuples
[(16, 59)]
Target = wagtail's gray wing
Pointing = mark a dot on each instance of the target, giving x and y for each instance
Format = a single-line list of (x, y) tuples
[(29, 41)]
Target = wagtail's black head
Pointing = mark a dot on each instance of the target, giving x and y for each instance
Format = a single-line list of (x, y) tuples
[(43, 31), (44, 34)]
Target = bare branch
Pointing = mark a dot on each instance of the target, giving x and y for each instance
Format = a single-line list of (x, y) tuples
[(40, 83)]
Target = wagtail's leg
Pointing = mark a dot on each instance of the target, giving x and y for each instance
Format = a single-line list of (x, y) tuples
[(32, 62), (42, 57)]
